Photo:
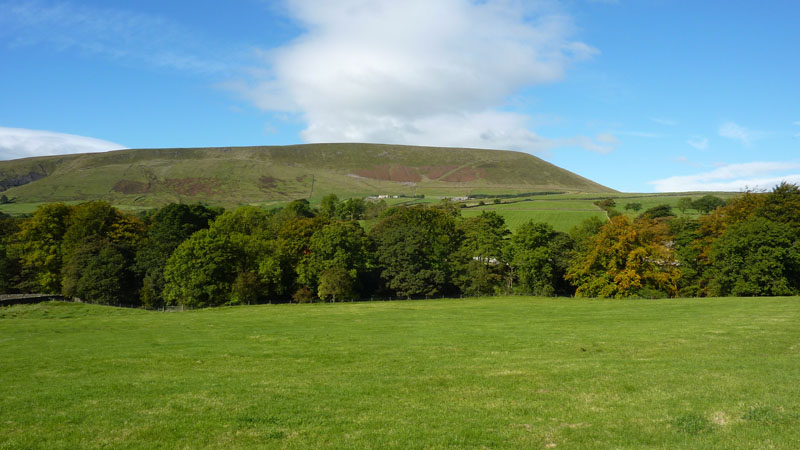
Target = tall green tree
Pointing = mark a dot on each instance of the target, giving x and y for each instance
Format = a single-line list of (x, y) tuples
[(38, 247), (686, 234), (583, 233), (328, 205), (100, 271), (202, 270), (293, 244), (249, 220), (541, 256), (10, 269), (480, 263), (685, 203), (168, 228), (336, 283), (415, 246), (299, 208), (342, 245), (782, 205), (351, 209), (755, 258)]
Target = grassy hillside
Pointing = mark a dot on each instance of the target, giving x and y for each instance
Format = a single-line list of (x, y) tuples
[(478, 373), (231, 176)]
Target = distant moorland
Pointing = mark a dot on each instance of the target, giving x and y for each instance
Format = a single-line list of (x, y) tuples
[(146, 178)]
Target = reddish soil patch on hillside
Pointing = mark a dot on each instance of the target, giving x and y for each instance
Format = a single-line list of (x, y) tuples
[(131, 187), (267, 183), (377, 172), (391, 173), (403, 173), (465, 174), (193, 186), (436, 172)]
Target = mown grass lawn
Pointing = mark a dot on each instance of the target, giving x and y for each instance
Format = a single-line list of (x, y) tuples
[(513, 372)]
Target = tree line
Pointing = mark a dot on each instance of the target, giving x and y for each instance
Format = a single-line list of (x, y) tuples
[(196, 255)]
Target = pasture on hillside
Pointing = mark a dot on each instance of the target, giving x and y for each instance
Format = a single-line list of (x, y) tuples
[(503, 372), (565, 211)]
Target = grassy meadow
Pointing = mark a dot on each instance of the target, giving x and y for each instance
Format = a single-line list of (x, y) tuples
[(509, 372)]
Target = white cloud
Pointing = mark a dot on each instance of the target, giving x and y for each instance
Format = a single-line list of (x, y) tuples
[(739, 133), (117, 34), (797, 123), (698, 142), (733, 177), (22, 143), (416, 71)]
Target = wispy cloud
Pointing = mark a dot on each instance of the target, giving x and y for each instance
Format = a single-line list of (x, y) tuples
[(117, 34), (733, 177), (22, 143), (739, 133), (418, 72), (698, 142), (685, 160)]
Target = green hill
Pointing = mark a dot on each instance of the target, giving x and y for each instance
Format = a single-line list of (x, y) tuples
[(146, 178)]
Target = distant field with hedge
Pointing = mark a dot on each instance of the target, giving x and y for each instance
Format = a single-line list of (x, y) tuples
[(499, 372)]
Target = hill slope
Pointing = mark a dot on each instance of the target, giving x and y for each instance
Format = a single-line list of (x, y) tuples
[(229, 176)]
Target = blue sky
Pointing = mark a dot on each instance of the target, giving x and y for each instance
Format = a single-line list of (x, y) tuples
[(639, 95)]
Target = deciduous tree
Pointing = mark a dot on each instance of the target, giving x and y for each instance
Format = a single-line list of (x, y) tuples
[(336, 283), (625, 258), (685, 203), (38, 246), (99, 271), (168, 228), (414, 247), (343, 245), (633, 206), (480, 262), (541, 257), (707, 203), (754, 258)]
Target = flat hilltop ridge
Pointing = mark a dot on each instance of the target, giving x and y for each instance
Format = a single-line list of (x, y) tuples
[(239, 175)]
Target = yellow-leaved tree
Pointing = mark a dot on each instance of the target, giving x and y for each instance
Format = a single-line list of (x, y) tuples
[(626, 259)]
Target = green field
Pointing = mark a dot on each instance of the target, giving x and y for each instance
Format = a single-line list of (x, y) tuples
[(564, 211), (562, 214), (514, 372), (560, 220)]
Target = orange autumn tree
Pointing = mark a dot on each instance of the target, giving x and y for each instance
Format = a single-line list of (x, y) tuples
[(626, 259)]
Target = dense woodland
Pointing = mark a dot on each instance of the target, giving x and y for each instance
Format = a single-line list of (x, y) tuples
[(199, 256)]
